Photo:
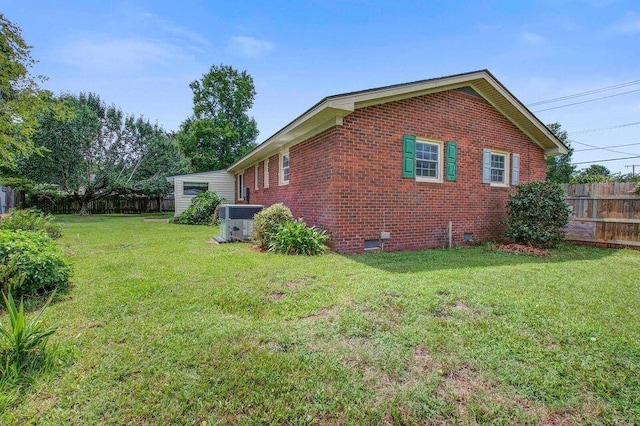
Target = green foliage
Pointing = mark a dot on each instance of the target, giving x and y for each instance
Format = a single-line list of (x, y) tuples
[(537, 212), (31, 220), (595, 173), (22, 342), (559, 168), (32, 263), (98, 151), (295, 237), (21, 100), (220, 131), (267, 222), (201, 210)]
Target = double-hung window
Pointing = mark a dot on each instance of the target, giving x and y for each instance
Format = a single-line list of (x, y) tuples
[(284, 168), (498, 168), (428, 160)]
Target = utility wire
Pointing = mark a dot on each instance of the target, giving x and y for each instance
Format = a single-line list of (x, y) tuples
[(612, 146), (609, 159), (604, 149), (588, 92), (590, 100), (617, 126)]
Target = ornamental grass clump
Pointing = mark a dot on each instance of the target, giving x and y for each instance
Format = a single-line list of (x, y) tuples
[(297, 238), (536, 214), (22, 341), (267, 222)]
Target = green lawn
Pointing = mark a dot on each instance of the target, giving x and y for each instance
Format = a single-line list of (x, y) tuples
[(163, 327)]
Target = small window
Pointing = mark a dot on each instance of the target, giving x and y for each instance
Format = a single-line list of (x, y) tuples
[(498, 168), (266, 173), (241, 186), (284, 168), (255, 176), (194, 188), (428, 161)]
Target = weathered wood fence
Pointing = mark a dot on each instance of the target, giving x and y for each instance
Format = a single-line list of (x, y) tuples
[(113, 204), (606, 213)]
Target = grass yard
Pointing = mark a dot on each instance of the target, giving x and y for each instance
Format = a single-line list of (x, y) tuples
[(162, 327)]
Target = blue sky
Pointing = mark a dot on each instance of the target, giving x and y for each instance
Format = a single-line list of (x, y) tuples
[(141, 55)]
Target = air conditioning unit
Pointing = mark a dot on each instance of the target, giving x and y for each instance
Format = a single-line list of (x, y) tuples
[(236, 221)]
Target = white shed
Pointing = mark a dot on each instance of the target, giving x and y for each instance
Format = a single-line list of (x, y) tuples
[(188, 186)]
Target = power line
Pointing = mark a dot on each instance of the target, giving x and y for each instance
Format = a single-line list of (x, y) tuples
[(617, 126), (589, 100), (588, 92), (605, 148), (602, 161)]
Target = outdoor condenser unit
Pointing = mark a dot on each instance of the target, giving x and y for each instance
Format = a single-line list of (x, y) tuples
[(236, 221)]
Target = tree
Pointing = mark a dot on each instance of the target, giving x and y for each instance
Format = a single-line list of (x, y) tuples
[(219, 132), (593, 173), (97, 151), (559, 168), (21, 100)]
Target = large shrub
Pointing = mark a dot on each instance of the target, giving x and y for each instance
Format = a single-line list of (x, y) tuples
[(267, 222), (31, 220), (31, 263), (296, 238), (537, 212), (201, 210)]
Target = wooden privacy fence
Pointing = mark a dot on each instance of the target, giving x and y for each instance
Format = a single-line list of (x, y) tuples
[(604, 213), (113, 204)]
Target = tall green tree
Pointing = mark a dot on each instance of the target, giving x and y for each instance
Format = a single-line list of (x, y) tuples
[(559, 168), (97, 151), (21, 99), (591, 174), (220, 131)]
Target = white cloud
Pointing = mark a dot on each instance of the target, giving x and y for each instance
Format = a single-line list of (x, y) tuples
[(629, 25), (187, 36), (250, 47), (117, 55), (533, 39)]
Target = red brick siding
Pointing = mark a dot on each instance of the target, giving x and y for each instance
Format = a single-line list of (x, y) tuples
[(349, 178)]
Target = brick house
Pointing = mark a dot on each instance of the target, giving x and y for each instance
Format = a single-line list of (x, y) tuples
[(391, 167)]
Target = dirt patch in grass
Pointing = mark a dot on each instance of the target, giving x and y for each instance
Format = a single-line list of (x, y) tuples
[(322, 313), (461, 306), (277, 295), (514, 248)]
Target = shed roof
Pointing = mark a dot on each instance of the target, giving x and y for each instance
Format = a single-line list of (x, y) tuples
[(331, 110)]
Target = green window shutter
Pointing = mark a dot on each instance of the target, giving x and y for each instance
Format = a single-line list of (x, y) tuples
[(452, 161), (515, 169), (486, 165), (409, 156)]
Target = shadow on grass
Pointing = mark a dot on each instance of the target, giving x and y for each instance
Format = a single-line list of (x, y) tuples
[(472, 257)]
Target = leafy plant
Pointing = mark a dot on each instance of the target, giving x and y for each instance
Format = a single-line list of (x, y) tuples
[(201, 210), (22, 342), (31, 220), (297, 238), (537, 212), (267, 222), (32, 263)]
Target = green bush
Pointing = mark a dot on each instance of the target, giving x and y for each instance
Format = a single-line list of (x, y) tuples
[(297, 238), (31, 220), (31, 264), (201, 210), (22, 342), (537, 212), (267, 222)]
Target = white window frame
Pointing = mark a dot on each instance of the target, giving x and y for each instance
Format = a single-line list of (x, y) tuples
[(240, 186), (440, 161), (266, 174), (506, 170), (282, 168), (256, 170)]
